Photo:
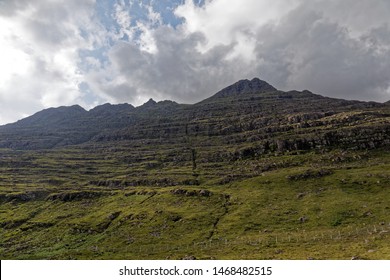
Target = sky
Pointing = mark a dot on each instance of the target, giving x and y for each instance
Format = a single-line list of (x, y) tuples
[(90, 52)]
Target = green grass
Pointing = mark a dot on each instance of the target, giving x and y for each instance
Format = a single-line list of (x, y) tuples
[(268, 211)]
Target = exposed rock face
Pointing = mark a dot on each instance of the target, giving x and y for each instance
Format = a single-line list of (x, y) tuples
[(75, 195), (204, 193)]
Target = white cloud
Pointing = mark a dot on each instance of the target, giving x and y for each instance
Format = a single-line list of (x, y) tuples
[(225, 21), (178, 71), (39, 47), (17, 60), (123, 19)]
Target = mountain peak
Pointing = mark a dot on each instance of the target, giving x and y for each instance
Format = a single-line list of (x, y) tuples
[(150, 102), (246, 86)]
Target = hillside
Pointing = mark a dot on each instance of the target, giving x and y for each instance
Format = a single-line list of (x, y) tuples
[(251, 172)]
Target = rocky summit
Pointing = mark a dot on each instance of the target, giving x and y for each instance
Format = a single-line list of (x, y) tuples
[(250, 172)]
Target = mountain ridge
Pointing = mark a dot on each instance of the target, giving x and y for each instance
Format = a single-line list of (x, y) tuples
[(244, 86), (258, 103)]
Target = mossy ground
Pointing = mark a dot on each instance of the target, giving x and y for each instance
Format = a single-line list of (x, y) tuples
[(78, 204)]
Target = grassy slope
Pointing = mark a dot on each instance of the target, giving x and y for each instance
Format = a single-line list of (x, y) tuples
[(136, 194), (51, 209)]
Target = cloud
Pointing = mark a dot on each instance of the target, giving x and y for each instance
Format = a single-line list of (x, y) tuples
[(39, 44), (337, 48), (222, 23), (358, 16), (177, 71), (308, 49), (9, 8), (299, 45), (211, 49), (89, 52), (164, 62)]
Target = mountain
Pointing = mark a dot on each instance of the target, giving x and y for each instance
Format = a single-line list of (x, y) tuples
[(251, 172), (248, 107)]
